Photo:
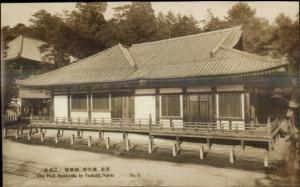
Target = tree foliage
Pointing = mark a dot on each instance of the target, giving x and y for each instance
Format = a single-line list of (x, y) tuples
[(85, 31)]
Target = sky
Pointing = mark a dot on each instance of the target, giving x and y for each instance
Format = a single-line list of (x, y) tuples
[(14, 13)]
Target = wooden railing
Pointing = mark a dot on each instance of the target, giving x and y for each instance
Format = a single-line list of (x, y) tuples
[(148, 125), (9, 119), (274, 127)]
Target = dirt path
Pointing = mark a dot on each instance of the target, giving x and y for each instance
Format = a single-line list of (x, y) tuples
[(126, 172)]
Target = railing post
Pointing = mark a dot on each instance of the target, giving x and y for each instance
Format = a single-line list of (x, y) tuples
[(269, 127)]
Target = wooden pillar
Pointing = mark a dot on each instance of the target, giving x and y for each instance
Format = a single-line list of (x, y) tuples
[(174, 150), (72, 139), (157, 109), (107, 143), (208, 142), (231, 156), (150, 121), (42, 136), (21, 129), (247, 107), (29, 136), (269, 127), (89, 98), (69, 104), (201, 152), (89, 141), (56, 138), (270, 145), (150, 144), (178, 143), (101, 135), (17, 134), (266, 160), (127, 144), (4, 132), (124, 135), (243, 144)]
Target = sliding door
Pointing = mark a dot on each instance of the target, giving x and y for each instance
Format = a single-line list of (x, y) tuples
[(122, 106), (198, 107)]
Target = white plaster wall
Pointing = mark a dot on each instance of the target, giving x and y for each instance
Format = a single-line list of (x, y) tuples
[(100, 117), (60, 106), (144, 105), (82, 115)]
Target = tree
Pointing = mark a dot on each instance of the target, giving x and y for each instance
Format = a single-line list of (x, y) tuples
[(285, 40), (240, 14), (211, 22), (136, 22), (162, 26), (186, 25), (256, 30)]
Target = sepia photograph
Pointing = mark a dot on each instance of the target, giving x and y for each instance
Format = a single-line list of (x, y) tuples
[(199, 93)]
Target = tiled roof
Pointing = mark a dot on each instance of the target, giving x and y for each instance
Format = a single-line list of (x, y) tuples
[(199, 55), (106, 66), (24, 47)]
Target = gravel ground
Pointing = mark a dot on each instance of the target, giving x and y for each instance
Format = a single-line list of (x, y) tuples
[(126, 172), (127, 169)]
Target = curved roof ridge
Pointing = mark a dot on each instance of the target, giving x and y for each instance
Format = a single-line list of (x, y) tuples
[(129, 57), (214, 50), (188, 36), (275, 61)]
